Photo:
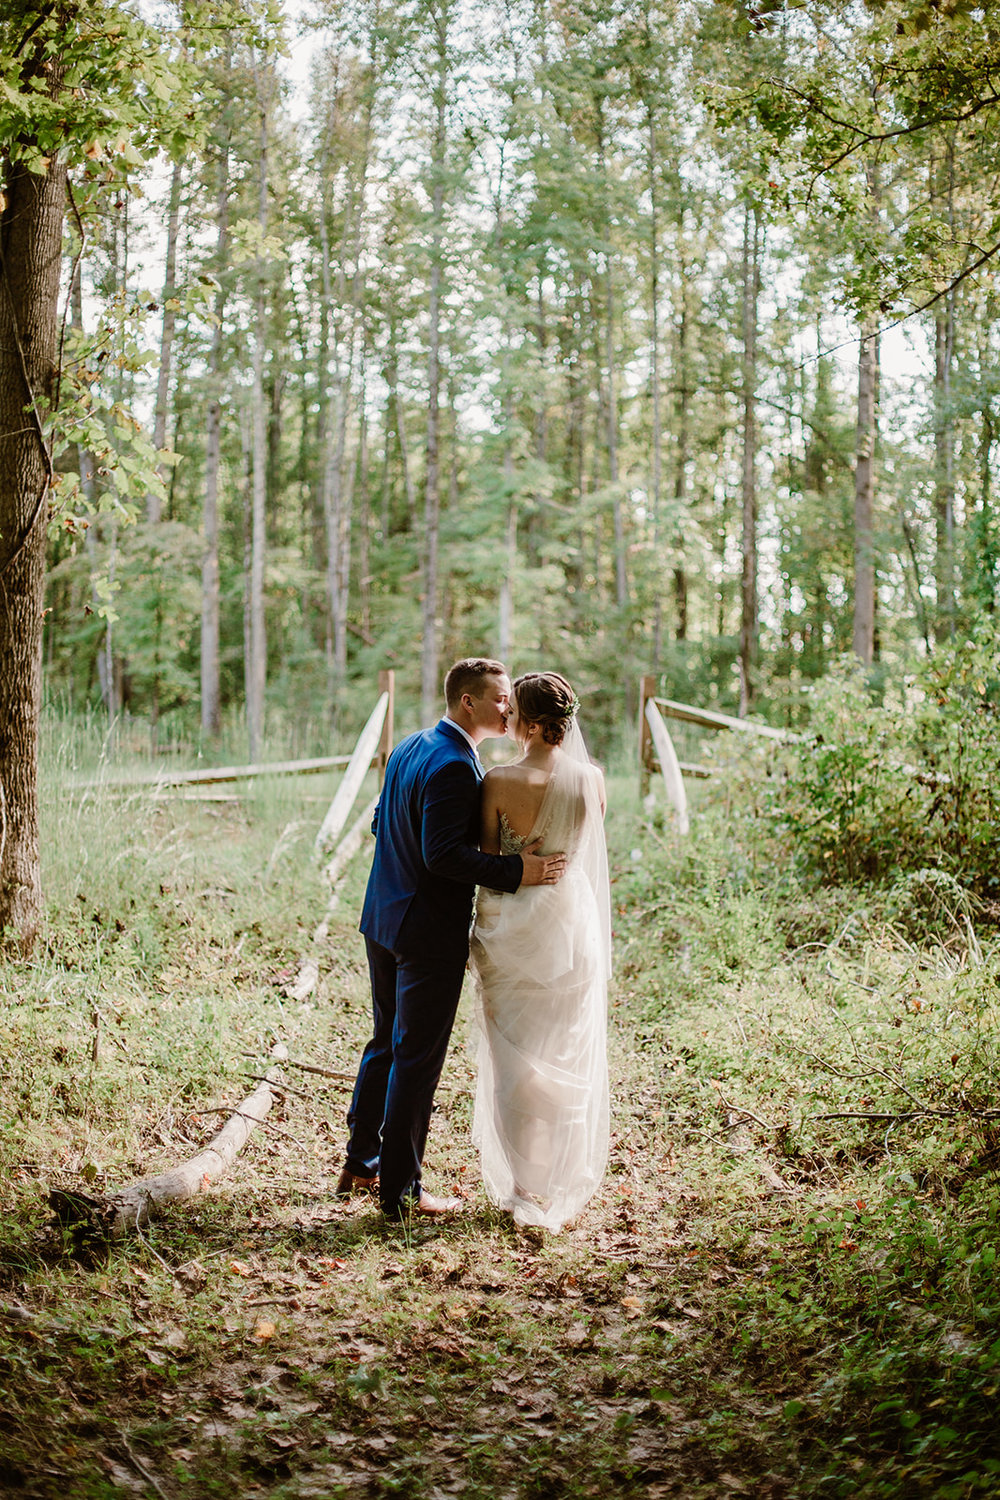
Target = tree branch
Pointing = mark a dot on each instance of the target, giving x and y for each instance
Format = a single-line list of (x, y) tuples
[(875, 136)]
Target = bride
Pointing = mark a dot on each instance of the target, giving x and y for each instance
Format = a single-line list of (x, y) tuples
[(541, 960)]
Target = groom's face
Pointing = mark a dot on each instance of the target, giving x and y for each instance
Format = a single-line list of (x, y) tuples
[(489, 711)]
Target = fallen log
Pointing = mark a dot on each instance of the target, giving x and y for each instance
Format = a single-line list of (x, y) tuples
[(131, 1208)]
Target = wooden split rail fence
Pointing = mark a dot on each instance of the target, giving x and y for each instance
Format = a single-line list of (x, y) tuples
[(656, 748)]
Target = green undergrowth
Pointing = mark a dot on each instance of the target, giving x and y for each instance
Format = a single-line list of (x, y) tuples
[(785, 1287)]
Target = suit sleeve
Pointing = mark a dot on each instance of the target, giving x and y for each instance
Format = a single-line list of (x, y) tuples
[(451, 807)]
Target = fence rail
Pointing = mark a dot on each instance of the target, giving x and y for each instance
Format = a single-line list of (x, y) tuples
[(656, 748), (378, 751)]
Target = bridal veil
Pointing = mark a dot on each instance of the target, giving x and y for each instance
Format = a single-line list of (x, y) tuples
[(542, 959)]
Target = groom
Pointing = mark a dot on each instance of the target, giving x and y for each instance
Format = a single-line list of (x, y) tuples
[(416, 918)]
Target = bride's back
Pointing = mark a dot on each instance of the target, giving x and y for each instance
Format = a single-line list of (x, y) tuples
[(550, 804), (518, 792)]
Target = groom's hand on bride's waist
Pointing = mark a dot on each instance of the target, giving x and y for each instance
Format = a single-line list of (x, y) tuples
[(541, 869)]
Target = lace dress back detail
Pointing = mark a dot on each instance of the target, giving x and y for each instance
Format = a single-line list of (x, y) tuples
[(511, 842)]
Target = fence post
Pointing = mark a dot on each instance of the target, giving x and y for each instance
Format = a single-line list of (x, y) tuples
[(647, 689), (386, 684)]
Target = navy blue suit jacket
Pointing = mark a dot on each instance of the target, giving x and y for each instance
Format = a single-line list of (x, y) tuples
[(427, 861)]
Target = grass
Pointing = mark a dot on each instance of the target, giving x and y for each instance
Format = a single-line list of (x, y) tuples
[(786, 1287)]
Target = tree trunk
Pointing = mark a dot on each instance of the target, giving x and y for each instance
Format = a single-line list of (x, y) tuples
[(210, 705), (611, 371), (395, 404), (30, 262), (682, 418), (748, 587), (942, 196), (257, 666), (432, 481), (505, 610), (85, 469), (166, 333), (864, 496), (576, 439), (944, 476), (656, 457), (364, 495), (864, 465)]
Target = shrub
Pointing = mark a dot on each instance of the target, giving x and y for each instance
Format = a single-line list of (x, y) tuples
[(876, 790)]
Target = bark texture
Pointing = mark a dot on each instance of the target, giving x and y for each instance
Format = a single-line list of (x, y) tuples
[(748, 586), (30, 249), (864, 498)]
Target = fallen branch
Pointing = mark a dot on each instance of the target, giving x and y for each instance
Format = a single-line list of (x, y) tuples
[(280, 1088), (739, 1111), (139, 1466), (132, 1207), (321, 1072)]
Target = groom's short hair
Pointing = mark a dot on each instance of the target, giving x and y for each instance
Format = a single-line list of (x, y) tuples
[(466, 676)]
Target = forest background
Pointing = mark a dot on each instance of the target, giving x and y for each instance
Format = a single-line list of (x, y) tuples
[(549, 331)]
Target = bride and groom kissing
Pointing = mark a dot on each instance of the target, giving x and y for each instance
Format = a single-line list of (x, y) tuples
[(530, 836)]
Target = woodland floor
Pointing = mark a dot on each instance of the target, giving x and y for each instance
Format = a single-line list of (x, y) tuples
[(753, 1304)]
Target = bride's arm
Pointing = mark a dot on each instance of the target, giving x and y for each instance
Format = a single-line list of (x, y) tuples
[(489, 829)]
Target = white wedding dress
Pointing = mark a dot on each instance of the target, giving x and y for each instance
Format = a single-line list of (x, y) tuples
[(541, 958)]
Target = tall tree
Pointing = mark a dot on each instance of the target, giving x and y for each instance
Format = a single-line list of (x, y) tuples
[(750, 293), (34, 197), (128, 85), (169, 323), (210, 701), (255, 666), (440, 14)]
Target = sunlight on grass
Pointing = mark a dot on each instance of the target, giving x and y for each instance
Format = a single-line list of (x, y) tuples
[(790, 1269)]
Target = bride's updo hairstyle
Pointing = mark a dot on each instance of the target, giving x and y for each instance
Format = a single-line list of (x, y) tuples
[(546, 699)]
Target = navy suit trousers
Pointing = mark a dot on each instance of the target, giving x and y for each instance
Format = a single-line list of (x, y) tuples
[(414, 1001)]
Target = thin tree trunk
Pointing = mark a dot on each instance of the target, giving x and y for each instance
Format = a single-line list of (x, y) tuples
[(432, 480), (864, 464), (210, 697), (864, 496), (505, 610), (257, 673), (983, 523), (399, 427), (611, 370), (338, 481), (577, 436), (161, 410), (748, 587), (656, 457), (85, 468), (541, 431), (364, 497), (246, 447), (944, 441), (682, 418), (944, 480)]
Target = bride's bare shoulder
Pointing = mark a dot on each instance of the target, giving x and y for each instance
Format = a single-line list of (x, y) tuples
[(498, 776)]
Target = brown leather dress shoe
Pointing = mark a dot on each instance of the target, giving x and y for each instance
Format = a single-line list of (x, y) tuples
[(349, 1183)]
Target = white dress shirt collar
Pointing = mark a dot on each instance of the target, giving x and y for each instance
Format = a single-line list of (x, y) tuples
[(464, 733)]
